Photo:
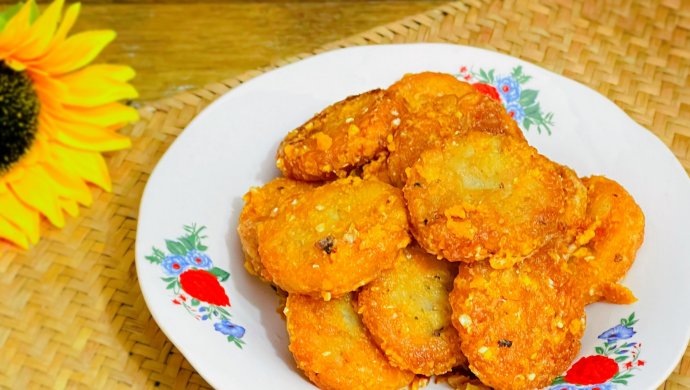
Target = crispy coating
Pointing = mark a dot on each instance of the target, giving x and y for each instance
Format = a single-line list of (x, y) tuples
[(343, 136), (333, 348), (520, 328), (260, 204), (376, 169), (441, 108), (334, 239), (407, 311), (538, 304), (607, 247), (418, 89), (491, 196)]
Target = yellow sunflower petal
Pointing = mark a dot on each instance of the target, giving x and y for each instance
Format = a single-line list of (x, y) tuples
[(67, 22), (69, 206), (98, 84), (15, 30), (36, 190), (76, 51), (15, 65), (69, 185), (111, 114), (13, 234), (90, 166), (84, 136), (49, 90), (40, 34), (20, 215), (95, 139)]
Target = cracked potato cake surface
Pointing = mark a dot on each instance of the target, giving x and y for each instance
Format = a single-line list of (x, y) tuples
[(334, 239), (520, 326), (260, 204), (489, 196), (440, 108), (406, 310), (343, 136), (333, 348)]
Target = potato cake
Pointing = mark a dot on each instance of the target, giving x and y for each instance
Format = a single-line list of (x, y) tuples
[(490, 196), (607, 247), (342, 137), (441, 108), (333, 348), (520, 328), (407, 311), (335, 238), (417, 89), (261, 203)]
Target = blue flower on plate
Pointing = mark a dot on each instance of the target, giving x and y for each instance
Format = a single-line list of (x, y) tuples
[(516, 111), (174, 264), (563, 386), (509, 89), (199, 259), (229, 329), (618, 332)]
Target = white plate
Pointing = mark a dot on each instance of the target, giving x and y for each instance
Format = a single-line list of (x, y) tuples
[(231, 145)]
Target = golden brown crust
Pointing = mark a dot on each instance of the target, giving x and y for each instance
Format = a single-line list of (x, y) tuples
[(334, 239), (343, 136), (333, 348), (441, 108), (418, 89), (260, 203), (490, 196), (614, 231), (407, 311), (523, 303), (520, 328), (377, 169)]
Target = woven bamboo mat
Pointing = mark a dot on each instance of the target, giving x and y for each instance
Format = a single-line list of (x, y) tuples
[(73, 316)]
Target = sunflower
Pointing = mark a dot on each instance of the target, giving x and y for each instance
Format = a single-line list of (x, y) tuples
[(56, 117)]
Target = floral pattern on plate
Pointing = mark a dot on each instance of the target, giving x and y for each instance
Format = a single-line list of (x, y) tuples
[(195, 283), (614, 362), (520, 102)]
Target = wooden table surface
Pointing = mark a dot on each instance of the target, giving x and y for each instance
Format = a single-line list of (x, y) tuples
[(180, 45)]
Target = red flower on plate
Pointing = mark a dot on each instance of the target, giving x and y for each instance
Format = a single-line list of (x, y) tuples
[(487, 90), (591, 370), (204, 286)]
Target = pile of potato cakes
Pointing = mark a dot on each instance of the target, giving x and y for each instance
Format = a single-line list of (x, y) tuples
[(417, 233)]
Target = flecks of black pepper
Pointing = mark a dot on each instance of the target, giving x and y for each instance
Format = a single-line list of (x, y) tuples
[(505, 343), (326, 244)]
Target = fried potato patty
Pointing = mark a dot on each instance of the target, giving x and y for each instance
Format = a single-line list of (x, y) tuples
[(519, 327), (418, 89), (343, 136), (335, 238), (333, 348), (260, 204), (608, 246), (441, 108), (407, 311), (490, 196)]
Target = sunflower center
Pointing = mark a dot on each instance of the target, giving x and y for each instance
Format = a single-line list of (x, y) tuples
[(19, 107)]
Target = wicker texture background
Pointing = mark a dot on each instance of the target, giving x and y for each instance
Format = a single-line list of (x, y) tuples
[(72, 314)]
